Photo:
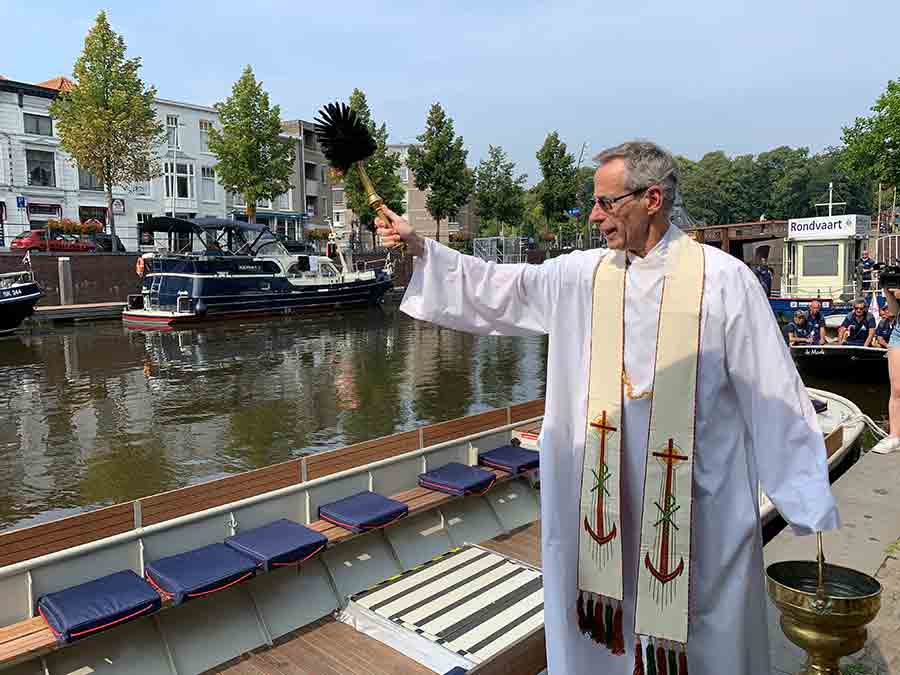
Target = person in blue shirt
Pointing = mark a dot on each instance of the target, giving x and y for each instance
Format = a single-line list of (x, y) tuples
[(884, 329), (865, 267), (798, 330), (858, 329), (816, 323)]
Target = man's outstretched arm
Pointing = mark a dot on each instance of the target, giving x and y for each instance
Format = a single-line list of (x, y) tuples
[(472, 295)]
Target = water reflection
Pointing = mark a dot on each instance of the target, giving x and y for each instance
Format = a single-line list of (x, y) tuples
[(96, 414)]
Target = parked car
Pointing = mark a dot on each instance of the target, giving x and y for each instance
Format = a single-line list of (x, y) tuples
[(36, 240), (105, 243)]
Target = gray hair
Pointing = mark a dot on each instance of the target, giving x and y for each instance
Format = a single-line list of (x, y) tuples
[(646, 164)]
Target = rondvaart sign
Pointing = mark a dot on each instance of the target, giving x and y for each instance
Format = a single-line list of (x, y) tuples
[(828, 227)]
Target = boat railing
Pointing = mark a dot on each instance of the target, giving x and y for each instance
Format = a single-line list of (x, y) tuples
[(28, 578), (11, 278), (843, 292), (367, 265)]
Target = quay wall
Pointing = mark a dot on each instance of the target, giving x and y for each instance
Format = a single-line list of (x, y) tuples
[(110, 277), (96, 277)]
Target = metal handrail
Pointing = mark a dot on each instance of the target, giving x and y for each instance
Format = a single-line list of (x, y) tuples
[(140, 532)]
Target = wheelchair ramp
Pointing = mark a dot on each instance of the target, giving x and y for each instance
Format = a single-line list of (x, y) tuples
[(458, 609)]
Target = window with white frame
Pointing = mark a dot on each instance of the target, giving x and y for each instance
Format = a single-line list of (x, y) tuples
[(404, 174), (208, 178), (143, 188), (181, 175), (264, 203), (337, 217), (338, 197), (238, 199), (172, 131), (283, 201), (205, 126), (39, 125), (88, 181), (41, 166)]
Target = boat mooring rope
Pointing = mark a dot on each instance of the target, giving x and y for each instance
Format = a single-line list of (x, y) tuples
[(876, 430)]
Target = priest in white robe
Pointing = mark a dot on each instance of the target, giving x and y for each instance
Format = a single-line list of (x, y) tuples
[(755, 424)]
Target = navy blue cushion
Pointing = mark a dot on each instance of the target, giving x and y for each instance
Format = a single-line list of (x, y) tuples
[(277, 544), (363, 511), (457, 671), (201, 571), (819, 405), (457, 479), (79, 611), (512, 458)]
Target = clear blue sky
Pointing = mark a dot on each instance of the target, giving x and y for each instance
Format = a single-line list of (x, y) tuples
[(696, 75)]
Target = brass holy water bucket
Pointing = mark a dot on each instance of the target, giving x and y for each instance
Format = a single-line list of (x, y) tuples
[(824, 609)]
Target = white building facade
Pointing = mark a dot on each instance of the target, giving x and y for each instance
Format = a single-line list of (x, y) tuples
[(39, 182)]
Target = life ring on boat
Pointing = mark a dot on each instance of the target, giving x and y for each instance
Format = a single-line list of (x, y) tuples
[(139, 266)]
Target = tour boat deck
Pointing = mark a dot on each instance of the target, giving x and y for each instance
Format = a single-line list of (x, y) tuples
[(329, 647)]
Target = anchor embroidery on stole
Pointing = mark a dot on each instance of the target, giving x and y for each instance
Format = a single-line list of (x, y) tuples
[(602, 475), (667, 506)]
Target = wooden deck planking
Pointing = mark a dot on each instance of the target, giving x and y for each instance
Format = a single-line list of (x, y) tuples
[(329, 647), (522, 544), (326, 647)]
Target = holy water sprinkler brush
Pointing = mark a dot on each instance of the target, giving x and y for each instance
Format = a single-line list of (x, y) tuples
[(347, 142)]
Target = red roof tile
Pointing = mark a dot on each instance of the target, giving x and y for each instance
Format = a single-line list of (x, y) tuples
[(60, 83)]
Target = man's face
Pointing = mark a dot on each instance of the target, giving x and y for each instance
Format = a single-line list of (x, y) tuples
[(859, 310), (627, 222), (814, 307)]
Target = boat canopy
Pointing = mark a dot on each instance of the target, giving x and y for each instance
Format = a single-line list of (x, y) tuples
[(169, 224)]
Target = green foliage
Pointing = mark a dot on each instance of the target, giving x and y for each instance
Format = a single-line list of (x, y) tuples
[(253, 159), (381, 168), (872, 144), (779, 184), (107, 122), (439, 165), (558, 188), (499, 194)]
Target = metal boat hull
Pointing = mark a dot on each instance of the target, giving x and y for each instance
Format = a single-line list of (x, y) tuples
[(243, 305), (17, 304)]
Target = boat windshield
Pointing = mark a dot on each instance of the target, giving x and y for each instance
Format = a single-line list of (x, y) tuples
[(269, 246)]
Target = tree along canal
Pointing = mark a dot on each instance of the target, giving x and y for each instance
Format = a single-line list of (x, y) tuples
[(95, 414)]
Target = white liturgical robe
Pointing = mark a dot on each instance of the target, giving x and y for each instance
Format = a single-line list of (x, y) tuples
[(755, 424)]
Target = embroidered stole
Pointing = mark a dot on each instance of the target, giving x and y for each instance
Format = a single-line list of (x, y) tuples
[(663, 574)]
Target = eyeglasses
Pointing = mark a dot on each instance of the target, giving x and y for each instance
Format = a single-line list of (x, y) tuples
[(607, 203)]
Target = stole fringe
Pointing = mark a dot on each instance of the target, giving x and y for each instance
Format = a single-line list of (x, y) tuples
[(651, 659), (582, 618), (661, 663), (618, 639), (597, 632), (608, 625), (638, 659), (673, 662)]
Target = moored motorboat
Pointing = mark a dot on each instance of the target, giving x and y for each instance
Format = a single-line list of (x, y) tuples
[(242, 270), (837, 359), (19, 293)]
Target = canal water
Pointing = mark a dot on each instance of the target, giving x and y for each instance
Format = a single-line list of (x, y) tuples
[(95, 414)]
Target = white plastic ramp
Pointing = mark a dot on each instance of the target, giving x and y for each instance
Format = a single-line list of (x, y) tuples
[(458, 609)]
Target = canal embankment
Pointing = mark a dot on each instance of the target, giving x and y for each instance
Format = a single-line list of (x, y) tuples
[(868, 497), (110, 277)]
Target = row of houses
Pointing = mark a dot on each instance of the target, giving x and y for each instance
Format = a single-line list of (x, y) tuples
[(39, 182)]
